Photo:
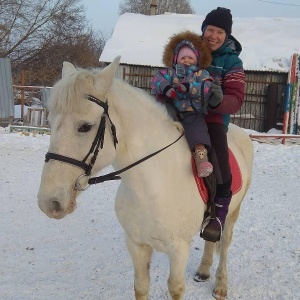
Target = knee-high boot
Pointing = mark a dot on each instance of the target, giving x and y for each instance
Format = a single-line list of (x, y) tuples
[(212, 227)]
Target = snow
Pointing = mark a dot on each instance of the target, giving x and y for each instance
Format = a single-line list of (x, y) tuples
[(268, 43), (83, 256)]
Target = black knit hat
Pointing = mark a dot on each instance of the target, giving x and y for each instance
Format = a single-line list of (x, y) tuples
[(220, 17)]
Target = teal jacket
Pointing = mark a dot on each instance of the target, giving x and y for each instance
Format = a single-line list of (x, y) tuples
[(228, 68)]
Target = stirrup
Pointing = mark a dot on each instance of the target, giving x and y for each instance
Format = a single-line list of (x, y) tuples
[(211, 236)]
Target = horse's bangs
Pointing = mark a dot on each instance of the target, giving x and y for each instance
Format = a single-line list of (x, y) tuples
[(68, 93)]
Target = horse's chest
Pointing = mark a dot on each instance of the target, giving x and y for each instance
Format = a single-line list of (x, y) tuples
[(143, 224)]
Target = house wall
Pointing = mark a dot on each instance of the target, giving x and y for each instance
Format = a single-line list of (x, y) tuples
[(263, 105)]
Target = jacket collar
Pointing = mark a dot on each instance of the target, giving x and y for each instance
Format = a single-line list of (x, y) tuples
[(231, 45)]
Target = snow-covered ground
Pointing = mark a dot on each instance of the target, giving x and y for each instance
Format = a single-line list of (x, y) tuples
[(84, 257)]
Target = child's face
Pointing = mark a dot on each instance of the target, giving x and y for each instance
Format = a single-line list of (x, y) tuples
[(187, 60)]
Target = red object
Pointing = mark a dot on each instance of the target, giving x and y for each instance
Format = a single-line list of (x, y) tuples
[(181, 88), (236, 178), (171, 93)]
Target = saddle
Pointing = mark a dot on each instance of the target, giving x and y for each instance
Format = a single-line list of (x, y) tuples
[(207, 185)]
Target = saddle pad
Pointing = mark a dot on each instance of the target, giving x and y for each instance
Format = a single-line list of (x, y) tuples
[(236, 178)]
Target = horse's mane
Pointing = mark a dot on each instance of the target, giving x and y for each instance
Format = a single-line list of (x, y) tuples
[(68, 93), (141, 102), (145, 115), (141, 109)]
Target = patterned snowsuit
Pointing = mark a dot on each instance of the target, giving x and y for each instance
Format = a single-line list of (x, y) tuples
[(192, 104)]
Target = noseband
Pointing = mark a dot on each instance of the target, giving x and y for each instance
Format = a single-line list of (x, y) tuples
[(98, 142)]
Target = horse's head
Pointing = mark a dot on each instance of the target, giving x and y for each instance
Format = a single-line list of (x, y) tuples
[(80, 127)]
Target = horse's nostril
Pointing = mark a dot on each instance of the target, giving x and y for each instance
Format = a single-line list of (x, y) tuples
[(56, 206)]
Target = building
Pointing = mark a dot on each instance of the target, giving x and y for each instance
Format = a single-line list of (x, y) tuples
[(268, 44)]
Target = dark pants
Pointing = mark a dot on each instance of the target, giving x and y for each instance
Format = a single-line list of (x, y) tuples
[(219, 157), (195, 128)]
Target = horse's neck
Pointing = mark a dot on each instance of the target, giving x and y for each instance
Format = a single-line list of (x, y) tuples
[(145, 126), (142, 118)]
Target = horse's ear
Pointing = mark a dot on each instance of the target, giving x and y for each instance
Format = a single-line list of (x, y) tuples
[(112, 68), (109, 72), (67, 69)]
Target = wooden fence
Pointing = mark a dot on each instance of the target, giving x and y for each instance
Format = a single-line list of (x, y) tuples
[(262, 108), (263, 104)]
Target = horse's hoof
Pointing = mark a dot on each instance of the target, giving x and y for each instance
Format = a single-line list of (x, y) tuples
[(219, 296), (201, 277)]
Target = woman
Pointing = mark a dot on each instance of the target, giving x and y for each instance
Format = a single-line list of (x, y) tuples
[(227, 67)]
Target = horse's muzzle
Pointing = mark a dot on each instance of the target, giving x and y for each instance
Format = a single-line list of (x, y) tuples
[(54, 209)]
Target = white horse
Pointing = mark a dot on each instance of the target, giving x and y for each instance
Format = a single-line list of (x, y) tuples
[(157, 203)]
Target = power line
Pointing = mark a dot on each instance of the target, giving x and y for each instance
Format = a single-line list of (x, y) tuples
[(279, 3)]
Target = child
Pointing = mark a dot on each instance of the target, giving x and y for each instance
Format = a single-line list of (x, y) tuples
[(188, 87)]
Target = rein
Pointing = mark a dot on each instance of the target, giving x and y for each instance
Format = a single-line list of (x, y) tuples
[(113, 175), (94, 150)]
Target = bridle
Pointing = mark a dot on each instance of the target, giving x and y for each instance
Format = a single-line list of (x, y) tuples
[(94, 150)]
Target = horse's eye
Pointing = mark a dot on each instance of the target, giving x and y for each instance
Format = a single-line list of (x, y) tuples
[(85, 127)]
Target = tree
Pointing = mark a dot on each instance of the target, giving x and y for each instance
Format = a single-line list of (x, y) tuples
[(143, 7), (38, 35), (82, 50)]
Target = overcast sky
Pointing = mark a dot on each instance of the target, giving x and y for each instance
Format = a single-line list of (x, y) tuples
[(103, 14)]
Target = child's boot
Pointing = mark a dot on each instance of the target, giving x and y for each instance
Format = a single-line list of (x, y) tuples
[(212, 227), (203, 166)]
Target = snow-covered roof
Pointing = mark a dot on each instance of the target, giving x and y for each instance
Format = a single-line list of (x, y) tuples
[(268, 43)]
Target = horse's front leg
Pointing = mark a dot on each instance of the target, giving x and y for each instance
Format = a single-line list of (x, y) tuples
[(220, 287), (178, 260), (141, 258), (203, 271)]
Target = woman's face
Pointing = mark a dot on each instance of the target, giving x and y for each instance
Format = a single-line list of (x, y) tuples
[(215, 37)]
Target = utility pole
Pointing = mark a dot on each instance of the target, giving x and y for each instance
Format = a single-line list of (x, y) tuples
[(153, 6)]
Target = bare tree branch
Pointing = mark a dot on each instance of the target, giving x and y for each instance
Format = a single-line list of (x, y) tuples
[(38, 35), (143, 7)]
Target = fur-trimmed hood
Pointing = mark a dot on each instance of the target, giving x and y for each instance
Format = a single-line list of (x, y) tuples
[(191, 39)]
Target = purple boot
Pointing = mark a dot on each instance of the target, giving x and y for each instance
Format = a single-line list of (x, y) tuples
[(212, 228)]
